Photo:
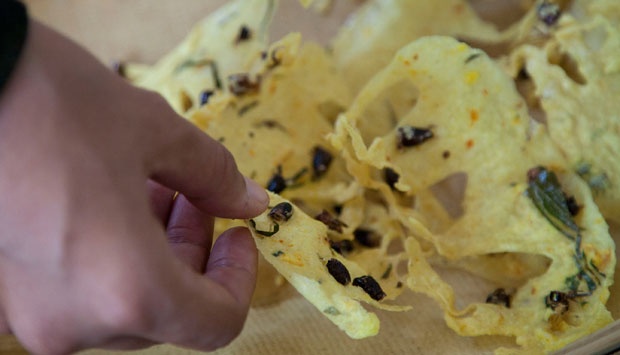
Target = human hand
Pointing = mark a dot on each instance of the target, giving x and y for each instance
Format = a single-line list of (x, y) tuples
[(91, 255)]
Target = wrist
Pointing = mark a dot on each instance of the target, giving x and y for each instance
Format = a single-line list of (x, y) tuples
[(13, 32)]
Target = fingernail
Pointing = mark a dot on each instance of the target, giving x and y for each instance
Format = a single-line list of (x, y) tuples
[(257, 193)]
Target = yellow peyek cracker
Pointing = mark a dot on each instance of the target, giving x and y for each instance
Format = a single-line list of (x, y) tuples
[(278, 124), (371, 37), (436, 162), (298, 247), (539, 324), (224, 43), (469, 119), (576, 78)]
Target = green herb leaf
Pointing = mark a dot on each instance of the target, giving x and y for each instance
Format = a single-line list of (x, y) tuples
[(331, 310), (276, 228)]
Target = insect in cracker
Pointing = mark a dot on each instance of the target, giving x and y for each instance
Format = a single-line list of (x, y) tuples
[(276, 228), (282, 212), (409, 136), (341, 247), (241, 84), (523, 74), (338, 209), (205, 96), (244, 34), (499, 296), (274, 61), (572, 205), (338, 271), (278, 183), (557, 300), (548, 12), (330, 221), (391, 177), (367, 237), (545, 191), (321, 159), (370, 286)]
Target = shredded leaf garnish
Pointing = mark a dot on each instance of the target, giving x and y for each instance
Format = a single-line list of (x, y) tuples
[(546, 193), (276, 228)]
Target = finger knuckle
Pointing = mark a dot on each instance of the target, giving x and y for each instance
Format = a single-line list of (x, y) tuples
[(126, 308), (181, 234)]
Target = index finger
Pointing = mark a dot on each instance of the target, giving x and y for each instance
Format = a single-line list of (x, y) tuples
[(186, 159)]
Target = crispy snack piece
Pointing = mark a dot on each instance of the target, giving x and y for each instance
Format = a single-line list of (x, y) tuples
[(280, 122), (379, 28), (538, 26), (576, 78), (298, 247), (270, 106), (461, 117), (223, 44), (435, 163), (538, 323), (469, 107)]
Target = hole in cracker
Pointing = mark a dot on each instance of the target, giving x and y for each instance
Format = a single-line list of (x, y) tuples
[(508, 270), (474, 278), (527, 89), (468, 287), (569, 66), (330, 110), (395, 246), (386, 111), (450, 192), (402, 267)]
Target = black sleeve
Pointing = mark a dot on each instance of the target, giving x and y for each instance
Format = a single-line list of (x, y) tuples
[(13, 32)]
